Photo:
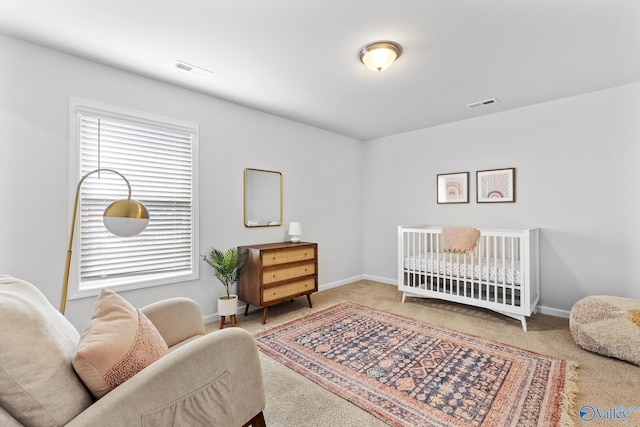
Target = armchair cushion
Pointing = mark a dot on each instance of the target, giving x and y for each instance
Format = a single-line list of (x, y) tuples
[(117, 343), (39, 386), (178, 320)]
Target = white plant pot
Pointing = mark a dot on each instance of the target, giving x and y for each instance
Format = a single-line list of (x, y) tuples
[(227, 307)]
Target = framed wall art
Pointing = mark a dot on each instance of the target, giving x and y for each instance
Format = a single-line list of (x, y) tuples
[(496, 185), (453, 187)]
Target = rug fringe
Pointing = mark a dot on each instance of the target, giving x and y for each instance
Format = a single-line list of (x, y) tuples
[(568, 412)]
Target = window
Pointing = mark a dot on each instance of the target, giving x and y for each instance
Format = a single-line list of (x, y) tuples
[(157, 157)]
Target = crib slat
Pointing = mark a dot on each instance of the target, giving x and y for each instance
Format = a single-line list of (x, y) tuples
[(512, 266)]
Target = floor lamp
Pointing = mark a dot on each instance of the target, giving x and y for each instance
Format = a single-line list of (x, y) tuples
[(126, 217)]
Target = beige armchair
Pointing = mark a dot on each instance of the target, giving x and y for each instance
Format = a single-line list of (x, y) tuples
[(212, 380)]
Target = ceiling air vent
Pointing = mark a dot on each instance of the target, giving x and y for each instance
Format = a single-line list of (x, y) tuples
[(482, 103), (184, 66), (194, 69)]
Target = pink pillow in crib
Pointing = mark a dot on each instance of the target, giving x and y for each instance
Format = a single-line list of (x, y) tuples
[(459, 239)]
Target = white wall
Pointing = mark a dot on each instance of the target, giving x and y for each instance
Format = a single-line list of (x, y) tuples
[(577, 179), (321, 170)]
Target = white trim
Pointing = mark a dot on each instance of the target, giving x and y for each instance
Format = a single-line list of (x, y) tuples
[(214, 316), (77, 105), (116, 287), (550, 311), (553, 311), (210, 318), (339, 283), (381, 280)]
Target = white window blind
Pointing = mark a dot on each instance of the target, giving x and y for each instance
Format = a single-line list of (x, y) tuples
[(157, 158)]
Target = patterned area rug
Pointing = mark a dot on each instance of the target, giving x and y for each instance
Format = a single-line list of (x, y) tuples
[(410, 373)]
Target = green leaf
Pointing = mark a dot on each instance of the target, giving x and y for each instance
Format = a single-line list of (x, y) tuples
[(227, 266)]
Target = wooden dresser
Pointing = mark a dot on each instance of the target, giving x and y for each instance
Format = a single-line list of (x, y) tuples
[(277, 272)]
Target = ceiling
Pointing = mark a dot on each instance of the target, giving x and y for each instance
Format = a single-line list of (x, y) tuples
[(298, 59)]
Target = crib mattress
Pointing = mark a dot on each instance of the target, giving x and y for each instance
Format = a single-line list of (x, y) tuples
[(466, 267)]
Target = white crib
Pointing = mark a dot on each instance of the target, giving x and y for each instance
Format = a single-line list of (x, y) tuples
[(500, 274)]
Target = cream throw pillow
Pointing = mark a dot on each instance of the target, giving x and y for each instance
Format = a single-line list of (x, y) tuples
[(117, 343), (37, 384)]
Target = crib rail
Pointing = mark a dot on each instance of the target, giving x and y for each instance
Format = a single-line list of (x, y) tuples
[(500, 274)]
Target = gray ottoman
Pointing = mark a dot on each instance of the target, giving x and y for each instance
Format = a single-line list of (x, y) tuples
[(608, 325)]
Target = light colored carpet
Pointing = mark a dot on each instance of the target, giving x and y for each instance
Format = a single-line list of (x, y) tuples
[(293, 400)]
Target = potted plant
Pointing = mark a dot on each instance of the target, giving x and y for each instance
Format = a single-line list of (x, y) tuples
[(227, 267)]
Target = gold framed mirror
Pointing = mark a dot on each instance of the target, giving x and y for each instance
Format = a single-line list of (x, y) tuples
[(262, 198)]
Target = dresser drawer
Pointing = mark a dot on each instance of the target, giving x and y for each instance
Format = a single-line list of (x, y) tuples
[(286, 273), (289, 255), (284, 291)]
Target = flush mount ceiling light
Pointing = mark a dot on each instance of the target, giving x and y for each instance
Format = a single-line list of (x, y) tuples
[(379, 55)]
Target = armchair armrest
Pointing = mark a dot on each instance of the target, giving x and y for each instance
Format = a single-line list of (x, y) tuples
[(177, 319), (213, 380), (6, 420)]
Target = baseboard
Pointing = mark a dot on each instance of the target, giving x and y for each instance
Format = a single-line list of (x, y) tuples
[(553, 311), (539, 309), (214, 316), (209, 318), (331, 285), (381, 280)]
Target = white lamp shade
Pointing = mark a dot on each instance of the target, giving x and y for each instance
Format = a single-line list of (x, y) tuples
[(295, 230), (126, 218)]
